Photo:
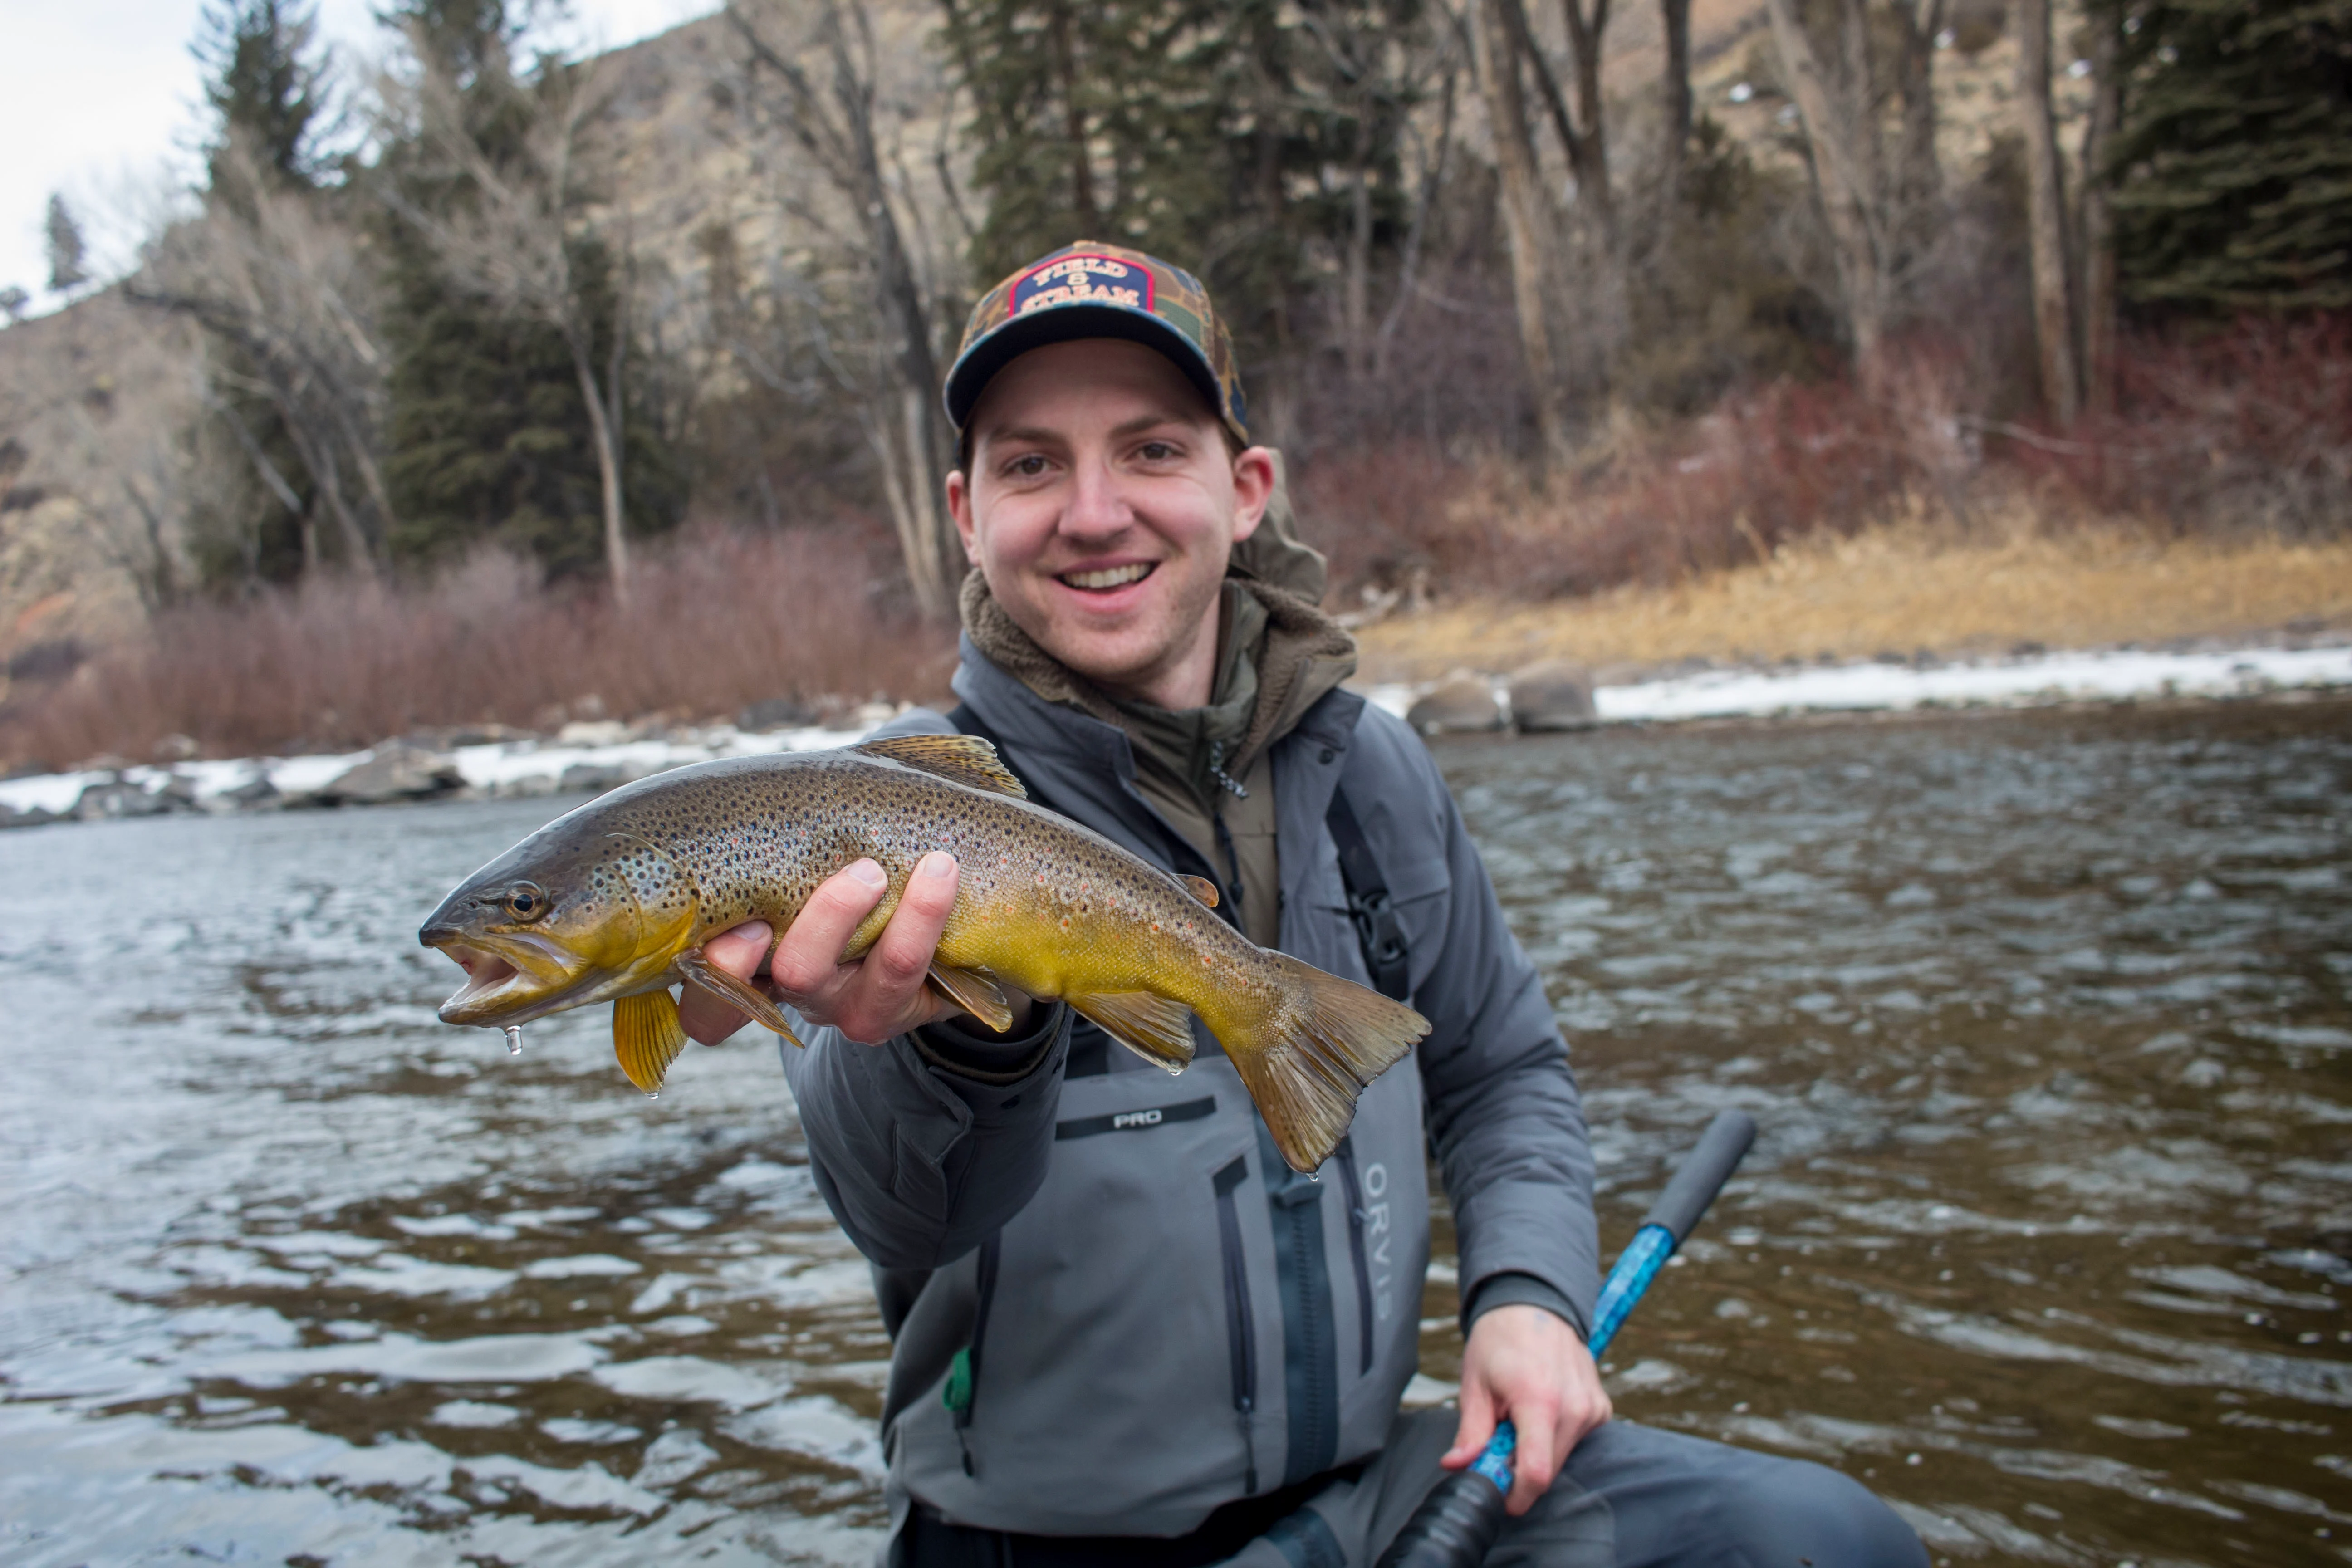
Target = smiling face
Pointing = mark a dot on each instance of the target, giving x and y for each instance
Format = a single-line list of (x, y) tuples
[(1102, 502)]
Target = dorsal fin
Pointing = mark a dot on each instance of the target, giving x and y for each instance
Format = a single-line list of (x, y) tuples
[(1201, 888), (965, 759)]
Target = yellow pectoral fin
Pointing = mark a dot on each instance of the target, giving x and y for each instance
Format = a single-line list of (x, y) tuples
[(701, 970), (646, 1037)]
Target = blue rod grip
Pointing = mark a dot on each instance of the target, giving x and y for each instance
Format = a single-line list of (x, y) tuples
[(1461, 1518)]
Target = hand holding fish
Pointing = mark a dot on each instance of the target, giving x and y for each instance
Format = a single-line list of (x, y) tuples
[(988, 902), (871, 1000)]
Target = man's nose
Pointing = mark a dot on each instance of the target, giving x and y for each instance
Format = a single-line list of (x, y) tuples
[(1097, 505)]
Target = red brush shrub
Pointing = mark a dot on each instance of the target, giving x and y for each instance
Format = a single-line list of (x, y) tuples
[(714, 620), (2247, 426), (1765, 466)]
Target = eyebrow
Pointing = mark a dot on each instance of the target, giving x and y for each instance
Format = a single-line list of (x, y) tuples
[(1044, 436)]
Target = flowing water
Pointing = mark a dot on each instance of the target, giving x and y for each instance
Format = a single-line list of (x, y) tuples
[(2048, 1236)]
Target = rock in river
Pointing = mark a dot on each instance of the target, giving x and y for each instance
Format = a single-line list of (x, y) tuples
[(1462, 701), (1553, 694), (395, 772)]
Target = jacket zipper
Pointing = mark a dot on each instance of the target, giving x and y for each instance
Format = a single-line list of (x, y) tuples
[(963, 1373), (1356, 1218), (1241, 1323)]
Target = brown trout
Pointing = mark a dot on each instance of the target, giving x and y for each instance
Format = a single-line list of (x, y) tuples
[(612, 902)]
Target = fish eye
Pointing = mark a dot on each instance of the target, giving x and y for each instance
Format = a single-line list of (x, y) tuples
[(527, 901)]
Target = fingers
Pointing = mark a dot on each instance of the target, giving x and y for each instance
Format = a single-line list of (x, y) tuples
[(738, 951), (1538, 1456), (883, 993), (1476, 1428), (809, 957), (902, 955)]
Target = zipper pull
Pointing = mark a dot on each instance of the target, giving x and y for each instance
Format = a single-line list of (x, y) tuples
[(1217, 771)]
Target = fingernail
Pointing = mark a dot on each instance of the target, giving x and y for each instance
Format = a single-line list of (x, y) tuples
[(753, 930), (869, 873), (939, 863)]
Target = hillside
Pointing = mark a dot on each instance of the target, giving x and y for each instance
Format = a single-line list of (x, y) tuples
[(97, 476)]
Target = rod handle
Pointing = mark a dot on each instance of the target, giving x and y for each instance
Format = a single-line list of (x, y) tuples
[(1702, 1175)]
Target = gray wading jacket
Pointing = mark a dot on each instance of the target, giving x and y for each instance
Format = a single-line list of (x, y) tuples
[(1156, 1316)]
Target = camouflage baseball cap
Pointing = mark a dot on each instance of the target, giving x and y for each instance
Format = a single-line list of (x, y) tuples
[(1091, 291)]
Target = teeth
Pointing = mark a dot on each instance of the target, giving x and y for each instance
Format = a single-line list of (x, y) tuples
[(1112, 577)]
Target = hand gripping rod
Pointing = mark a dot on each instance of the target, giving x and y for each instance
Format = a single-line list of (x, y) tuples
[(1460, 1519)]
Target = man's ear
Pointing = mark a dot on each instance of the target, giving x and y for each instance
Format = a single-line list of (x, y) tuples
[(960, 509), (1252, 488)]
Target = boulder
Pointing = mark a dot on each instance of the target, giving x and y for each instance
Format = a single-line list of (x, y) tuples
[(394, 772), (1553, 694), (592, 733), (1461, 703), (119, 797), (252, 794), (772, 713), (591, 778)]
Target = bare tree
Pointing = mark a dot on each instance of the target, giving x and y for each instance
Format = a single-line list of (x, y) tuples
[(273, 278), (828, 102), (2053, 303), (2098, 230), (1676, 86), (1527, 218), (1840, 115), (1918, 194), (519, 234)]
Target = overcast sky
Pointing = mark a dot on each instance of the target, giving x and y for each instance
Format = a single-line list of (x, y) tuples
[(101, 100)]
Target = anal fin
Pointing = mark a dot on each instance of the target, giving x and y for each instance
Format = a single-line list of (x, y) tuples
[(646, 1037), (738, 994), (977, 994), (1155, 1027)]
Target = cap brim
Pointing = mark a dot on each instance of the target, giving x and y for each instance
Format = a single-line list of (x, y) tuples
[(1068, 324)]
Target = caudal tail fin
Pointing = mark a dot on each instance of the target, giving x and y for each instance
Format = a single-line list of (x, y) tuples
[(1306, 1062)]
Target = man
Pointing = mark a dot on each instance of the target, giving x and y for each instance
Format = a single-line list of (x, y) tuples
[(1124, 1331)]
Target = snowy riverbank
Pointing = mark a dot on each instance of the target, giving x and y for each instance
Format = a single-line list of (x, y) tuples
[(587, 758)]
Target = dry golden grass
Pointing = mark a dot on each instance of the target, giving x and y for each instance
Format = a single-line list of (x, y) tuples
[(1904, 586)]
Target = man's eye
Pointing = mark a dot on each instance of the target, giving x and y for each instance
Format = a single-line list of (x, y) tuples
[(1026, 467), (1156, 451)]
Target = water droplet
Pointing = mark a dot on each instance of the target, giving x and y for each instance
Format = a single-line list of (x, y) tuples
[(653, 1094), (514, 1039)]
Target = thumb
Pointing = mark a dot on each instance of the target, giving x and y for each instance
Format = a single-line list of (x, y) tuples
[(1477, 1427)]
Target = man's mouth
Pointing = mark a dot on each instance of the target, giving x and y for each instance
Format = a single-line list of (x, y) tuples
[(1103, 579)]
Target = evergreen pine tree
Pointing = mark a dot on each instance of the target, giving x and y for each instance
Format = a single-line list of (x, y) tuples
[(486, 436), (266, 80), (62, 236), (1206, 133), (2233, 171)]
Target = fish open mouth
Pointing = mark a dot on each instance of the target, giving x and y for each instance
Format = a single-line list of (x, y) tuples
[(487, 976)]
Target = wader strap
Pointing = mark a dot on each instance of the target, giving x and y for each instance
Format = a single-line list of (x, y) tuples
[(1377, 929)]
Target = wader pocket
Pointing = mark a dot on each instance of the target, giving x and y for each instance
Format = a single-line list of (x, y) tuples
[(963, 1371), (1241, 1323)]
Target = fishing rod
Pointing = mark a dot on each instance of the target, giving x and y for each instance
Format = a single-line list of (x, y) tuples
[(1459, 1520)]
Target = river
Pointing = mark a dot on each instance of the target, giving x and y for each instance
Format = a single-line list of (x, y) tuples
[(2047, 1236)]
